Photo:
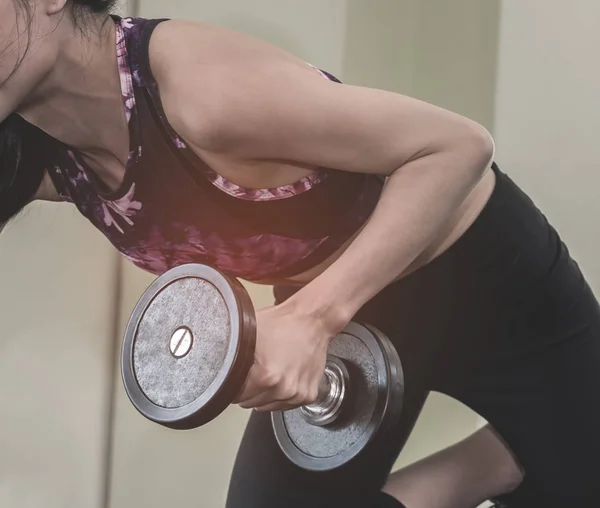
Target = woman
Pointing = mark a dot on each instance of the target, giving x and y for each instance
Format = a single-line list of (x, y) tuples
[(183, 143)]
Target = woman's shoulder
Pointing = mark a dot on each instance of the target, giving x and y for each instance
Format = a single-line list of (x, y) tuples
[(178, 42), (209, 75)]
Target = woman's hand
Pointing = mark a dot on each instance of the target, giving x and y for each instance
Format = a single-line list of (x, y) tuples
[(289, 361)]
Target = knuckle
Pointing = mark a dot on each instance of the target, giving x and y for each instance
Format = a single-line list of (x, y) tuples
[(301, 398), (270, 379), (307, 399), (312, 395), (288, 391)]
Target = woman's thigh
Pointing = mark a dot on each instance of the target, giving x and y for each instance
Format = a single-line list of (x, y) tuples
[(264, 478), (546, 407), (531, 368)]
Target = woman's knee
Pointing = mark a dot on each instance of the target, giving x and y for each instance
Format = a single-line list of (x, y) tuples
[(465, 474), (502, 465)]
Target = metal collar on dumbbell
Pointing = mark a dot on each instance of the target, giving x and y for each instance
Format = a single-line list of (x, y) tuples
[(332, 391)]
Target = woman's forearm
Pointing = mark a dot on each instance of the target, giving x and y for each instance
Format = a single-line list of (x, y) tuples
[(416, 203)]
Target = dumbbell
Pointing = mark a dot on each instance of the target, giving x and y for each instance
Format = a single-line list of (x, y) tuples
[(189, 345)]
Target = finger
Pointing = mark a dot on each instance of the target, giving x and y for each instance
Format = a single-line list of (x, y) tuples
[(302, 399), (254, 386), (262, 400), (290, 398), (280, 395), (276, 406), (309, 392)]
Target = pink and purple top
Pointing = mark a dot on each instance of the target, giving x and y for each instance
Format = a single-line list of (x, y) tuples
[(172, 208)]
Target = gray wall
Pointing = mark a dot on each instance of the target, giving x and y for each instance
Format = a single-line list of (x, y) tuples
[(548, 115), (57, 307)]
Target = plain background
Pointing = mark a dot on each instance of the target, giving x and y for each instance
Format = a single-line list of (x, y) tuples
[(69, 437)]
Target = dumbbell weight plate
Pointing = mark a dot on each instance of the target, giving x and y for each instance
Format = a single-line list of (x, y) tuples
[(375, 402), (188, 346)]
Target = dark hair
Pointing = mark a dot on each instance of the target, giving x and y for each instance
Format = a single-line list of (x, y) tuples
[(20, 176)]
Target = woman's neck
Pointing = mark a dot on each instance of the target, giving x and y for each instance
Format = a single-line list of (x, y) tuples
[(78, 100)]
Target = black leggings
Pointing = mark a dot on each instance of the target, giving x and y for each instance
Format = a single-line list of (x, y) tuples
[(504, 322)]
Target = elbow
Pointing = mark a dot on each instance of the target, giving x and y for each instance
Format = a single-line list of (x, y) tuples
[(486, 148), (477, 146)]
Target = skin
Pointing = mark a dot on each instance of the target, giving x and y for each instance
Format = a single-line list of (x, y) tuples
[(463, 475), (436, 162)]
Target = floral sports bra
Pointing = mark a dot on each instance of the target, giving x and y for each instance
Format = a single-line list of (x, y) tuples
[(172, 208)]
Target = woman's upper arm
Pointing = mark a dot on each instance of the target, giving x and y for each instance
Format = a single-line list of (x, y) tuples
[(271, 107)]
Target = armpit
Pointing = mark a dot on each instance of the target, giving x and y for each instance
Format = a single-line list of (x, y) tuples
[(47, 191)]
